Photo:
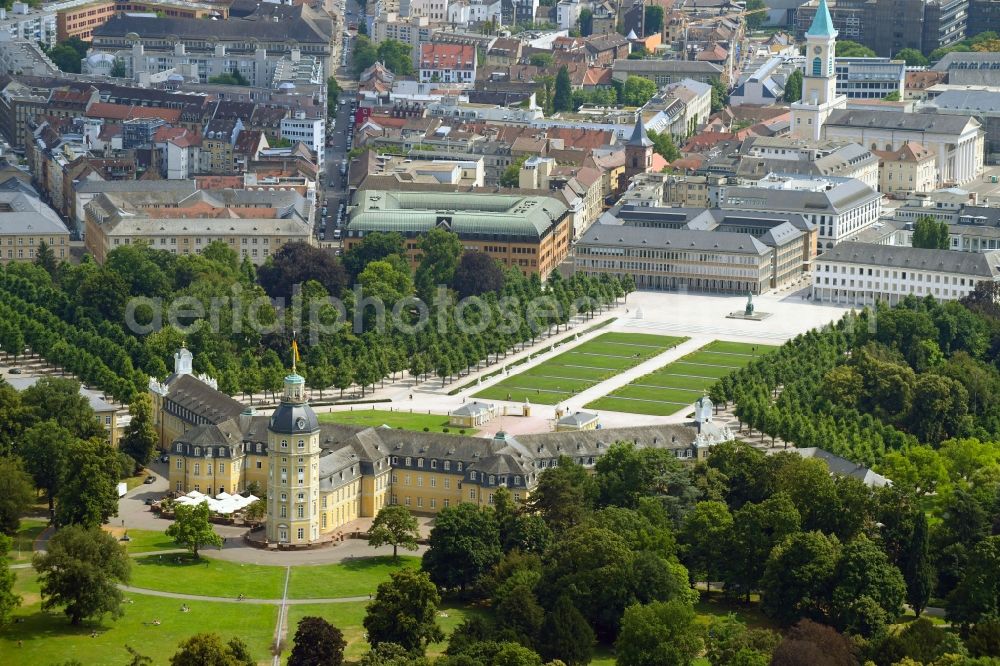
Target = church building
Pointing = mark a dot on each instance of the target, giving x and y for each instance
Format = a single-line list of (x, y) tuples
[(819, 81)]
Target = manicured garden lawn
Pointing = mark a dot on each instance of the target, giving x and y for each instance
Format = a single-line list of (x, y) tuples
[(207, 577), (676, 385), (581, 367), (143, 541), (395, 419), (48, 637), (349, 618), (352, 578), (23, 541)]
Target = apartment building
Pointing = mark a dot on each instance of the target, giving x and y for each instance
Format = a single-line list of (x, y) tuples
[(908, 170), (447, 63), (865, 274)]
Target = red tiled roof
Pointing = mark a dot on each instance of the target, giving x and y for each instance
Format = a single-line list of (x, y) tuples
[(447, 56), (123, 112)]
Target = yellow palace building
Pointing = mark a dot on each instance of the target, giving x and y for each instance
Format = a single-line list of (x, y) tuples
[(321, 476)]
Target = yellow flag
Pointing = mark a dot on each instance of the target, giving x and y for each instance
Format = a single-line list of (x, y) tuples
[(295, 351)]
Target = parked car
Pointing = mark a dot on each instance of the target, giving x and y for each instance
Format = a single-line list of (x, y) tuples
[(15, 371), (150, 479), (164, 458), (149, 501)]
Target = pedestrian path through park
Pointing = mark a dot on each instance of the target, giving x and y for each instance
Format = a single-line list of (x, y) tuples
[(677, 385), (580, 368)]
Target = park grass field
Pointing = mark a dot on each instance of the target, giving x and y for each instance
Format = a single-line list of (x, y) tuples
[(405, 420), (180, 572), (49, 638), (23, 540), (676, 385), (351, 578), (143, 541), (581, 367)]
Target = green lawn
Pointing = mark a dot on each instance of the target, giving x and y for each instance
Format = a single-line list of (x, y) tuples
[(581, 367), (24, 539), (348, 617), (207, 577), (676, 385), (395, 419), (353, 578), (48, 638), (145, 541)]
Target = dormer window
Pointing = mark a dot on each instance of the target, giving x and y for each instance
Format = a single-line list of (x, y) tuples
[(197, 450), (409, 461), (472, 475), (434, 464), (493, 479), (517, 480), (459, 467), (420, 463), (447, 465)]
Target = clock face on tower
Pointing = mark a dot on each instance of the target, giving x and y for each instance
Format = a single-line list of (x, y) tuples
[(300, 423), (817, 50)]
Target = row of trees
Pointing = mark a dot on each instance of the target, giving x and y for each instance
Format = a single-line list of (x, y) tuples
[(71, 314)]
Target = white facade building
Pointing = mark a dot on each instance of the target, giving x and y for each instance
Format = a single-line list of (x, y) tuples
[(864, 274), (958, 141), (840, 207), (310, 131), (568, 13)]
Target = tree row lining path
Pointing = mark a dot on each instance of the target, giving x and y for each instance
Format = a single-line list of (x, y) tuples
[(283, 602)]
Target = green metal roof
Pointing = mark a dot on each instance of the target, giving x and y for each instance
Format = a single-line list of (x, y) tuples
[(822, 25), (464, 213)]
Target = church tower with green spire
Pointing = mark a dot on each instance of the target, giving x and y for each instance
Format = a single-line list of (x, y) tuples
[(819, 81)]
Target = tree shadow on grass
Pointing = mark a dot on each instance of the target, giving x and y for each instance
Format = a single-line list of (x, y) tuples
[(360, 564)]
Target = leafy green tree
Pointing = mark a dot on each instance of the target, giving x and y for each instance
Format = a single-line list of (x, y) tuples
[(317, 643), (511, 175), (395, 55), (138, 659), (363, 55), (59, 399), (658, 634), (799, 576), (848, 49), (45, 449), (586, 22), (65, 58), (232, 78), (756, 19), (864, 574), (984, 638), (663, 145), (192, 529), (918, 570), (653, 20), (626, 473), (704, 534), (298, 262), (564, 495), (541, 60), (566, 635), (17, 493), (793, 86), (464, 545), (720, 95), (977, 594), (636, 91), (386, 280), (140, 436), (394, 526), (731, 643), (89, 495), (403, 612), (563, 100), (520, 614), (440, 250), (892, 97), (80, 571), (207, 649), (373, 247), (8, 599), (930, 233), (912, 57), (46, 258)]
